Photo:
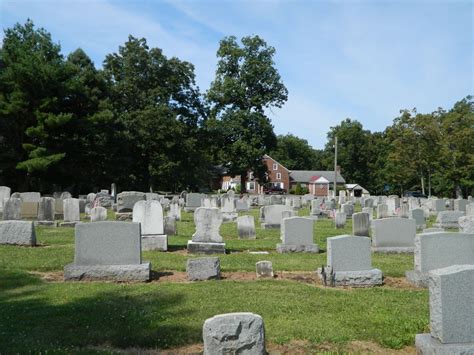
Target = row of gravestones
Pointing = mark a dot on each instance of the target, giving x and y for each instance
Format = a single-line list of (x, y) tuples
[(451, 320)]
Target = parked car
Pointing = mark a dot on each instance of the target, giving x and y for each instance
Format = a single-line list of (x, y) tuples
[(416, 194), (271, 189)]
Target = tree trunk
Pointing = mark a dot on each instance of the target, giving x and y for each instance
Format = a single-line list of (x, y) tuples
[(422, 184), (243, 180)]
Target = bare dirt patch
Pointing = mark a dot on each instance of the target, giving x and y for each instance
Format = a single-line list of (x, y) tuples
[(399, 282)]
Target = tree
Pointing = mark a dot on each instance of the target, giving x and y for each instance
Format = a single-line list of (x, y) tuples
[(31, 85), (159, 105), (296, 154), (246, 84)]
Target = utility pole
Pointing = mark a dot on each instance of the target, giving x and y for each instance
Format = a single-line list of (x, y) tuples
[(335, 167)]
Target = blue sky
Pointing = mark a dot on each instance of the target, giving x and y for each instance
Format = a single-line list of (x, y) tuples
[(360, 59)]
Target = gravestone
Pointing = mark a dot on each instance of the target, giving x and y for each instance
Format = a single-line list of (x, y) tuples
[(368, 202), (17, 233), (404, 211), (316, 207), (451, 312), (271, 216), (46, 211), (152, 196), (29, 210), (126, 200), (393, 235), (466, 224), (264, 268), (460, 205), (150, 216), (234, 333), (201, 269), (288, 214), (470, 209), (393, 203), (175, 211), (228, 210), (193, 201), (297, 236), (418, 215), (246, 227), (349, 261), (340, 220), (207, 239), (71, 212), (348, 209), (12, 209), (241, 206), (448, 219), (107, 251), (170, 226), (382, 211), (64, 195), (369, 211), (98, 214), (360, 224), (30, 196), (5, 193), (58, 208), (439, 250), (438, 206)]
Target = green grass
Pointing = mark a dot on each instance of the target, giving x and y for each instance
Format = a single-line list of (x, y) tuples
[(38, 315)]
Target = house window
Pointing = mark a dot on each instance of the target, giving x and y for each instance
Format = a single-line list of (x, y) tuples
[(278, 176), (275, 166), (251, 185)]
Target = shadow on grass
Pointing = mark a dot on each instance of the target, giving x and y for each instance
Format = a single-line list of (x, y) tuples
[(37, 316)]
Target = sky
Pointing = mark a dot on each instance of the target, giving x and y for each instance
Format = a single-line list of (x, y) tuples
[(364, 60)]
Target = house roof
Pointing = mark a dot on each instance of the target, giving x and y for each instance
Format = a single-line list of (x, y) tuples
[(304, 176), (319, 180), (356, 187)]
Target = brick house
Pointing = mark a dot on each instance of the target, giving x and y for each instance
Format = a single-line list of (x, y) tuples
[(317, 182)]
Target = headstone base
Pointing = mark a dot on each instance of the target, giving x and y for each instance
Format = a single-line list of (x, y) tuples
[(291, 248), (394, 250), (140, 272), (205, 248), (124, 216), (269, 226), (446, 225), (201, 269), (229, 216), (364, 278), (428, 345), (155, 242), (68, 224), (46, 223), (417, 278)]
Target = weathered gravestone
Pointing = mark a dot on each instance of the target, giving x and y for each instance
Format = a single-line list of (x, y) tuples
[(393, 204), (451, 312), (193, 201), (108, 251), (241, 206), (393, 235), (404, 210), (98, 214), (5, 193), (170, 226), (71, 212), (64, 195), (348, 209), (29, 210), (12, 209), (419, 216), (264, 268), (466, 224), (360, 224), (470, 209), (370, 211), (448, 219), (150, 216), (30, 196), (437, 206), (152, 196), (234, 333), (175, 211), (271, 216), (460, 205), (439, 250), (201, 269), (288, 214), (46, 211), (228, 210), (207, 239), (297, 236), (126, 200), (340, 220), (382, 211), (17, 232), (58, 208), (246, 227), (349, 262)]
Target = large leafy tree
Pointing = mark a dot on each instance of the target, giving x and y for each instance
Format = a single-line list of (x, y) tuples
[(32, 80), (159, 105), (296, 153), (246, 84)]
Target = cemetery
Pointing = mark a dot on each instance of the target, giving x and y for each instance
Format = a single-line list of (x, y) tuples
[(236, 177), (259, 286)]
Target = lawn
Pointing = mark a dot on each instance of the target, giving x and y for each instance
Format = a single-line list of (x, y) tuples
[(39, 312)]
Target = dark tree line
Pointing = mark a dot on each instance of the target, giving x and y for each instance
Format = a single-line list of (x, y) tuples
[(142, 122)]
